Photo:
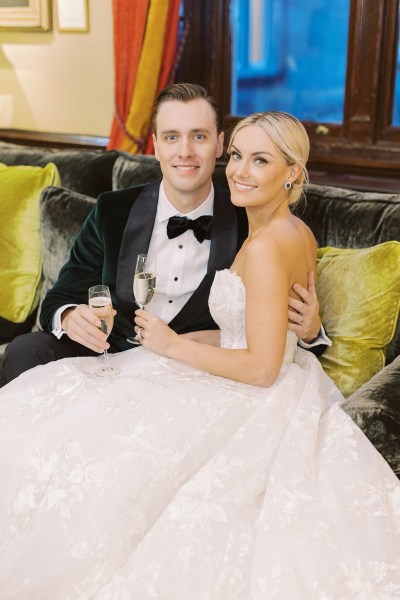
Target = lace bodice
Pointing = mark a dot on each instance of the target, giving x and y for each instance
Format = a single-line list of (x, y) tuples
[(227, 304)]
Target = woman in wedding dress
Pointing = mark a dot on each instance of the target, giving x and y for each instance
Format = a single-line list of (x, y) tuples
[(215, 466)]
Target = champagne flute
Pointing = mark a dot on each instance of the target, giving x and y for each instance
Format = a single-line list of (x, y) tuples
[(100, 304), (144, 285)]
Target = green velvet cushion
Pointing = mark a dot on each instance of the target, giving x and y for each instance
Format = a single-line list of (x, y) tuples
[(359, 295), (20, 256)]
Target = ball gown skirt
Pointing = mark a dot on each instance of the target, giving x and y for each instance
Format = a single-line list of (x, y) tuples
[(168, 483)]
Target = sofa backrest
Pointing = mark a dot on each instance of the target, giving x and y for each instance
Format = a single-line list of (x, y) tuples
[(348, 218), (88, 172)]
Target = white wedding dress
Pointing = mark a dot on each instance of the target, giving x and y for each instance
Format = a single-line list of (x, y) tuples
[(168, 483)]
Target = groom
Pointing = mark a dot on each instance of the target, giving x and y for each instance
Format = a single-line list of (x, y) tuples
[(188, 138)]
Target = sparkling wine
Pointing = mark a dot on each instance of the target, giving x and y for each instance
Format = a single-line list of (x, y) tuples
[(144, 285), (101, 307)]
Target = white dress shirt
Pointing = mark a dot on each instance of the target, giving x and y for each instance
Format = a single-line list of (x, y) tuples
[(181, 262)]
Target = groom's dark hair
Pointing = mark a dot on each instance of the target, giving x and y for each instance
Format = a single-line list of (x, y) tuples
[(185, 92)]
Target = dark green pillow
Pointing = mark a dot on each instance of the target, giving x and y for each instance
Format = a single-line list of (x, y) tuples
[(62, 213), (375, 407)]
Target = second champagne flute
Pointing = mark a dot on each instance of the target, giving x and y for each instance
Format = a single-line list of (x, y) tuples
[(144, 285), (100, 304)]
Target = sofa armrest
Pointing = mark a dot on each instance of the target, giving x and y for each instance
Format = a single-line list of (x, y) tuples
[(375, 407)]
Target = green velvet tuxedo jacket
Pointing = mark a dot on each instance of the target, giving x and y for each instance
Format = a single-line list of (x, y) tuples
[(118, 229)]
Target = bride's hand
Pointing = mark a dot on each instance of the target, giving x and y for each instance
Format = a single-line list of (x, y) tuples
[(154, 334)]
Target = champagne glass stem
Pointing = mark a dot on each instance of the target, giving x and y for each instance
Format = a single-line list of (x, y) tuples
[(138, 335), (106, 360)]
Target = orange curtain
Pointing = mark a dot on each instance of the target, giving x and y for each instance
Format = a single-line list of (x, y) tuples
[(145, 41), (129, 28)]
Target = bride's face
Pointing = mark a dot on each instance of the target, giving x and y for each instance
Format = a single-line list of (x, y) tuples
[(256, 170)]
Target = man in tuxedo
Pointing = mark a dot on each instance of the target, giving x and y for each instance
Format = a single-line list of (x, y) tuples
[(185, 221)]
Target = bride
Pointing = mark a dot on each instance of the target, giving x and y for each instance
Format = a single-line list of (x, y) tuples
[(215, 466)]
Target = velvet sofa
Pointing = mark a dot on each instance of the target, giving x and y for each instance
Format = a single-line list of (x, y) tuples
[(358, 271)]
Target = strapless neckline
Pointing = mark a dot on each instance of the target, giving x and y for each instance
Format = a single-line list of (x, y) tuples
[(228, 308)]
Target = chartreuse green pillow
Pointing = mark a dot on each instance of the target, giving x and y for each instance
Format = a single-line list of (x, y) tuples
[(20, 255), (359, 296)]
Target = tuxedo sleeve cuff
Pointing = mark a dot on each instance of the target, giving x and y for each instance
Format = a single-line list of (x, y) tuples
[(56, 328), (321, 340)]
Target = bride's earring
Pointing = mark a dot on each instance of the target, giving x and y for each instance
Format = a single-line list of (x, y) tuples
[(288, 185)]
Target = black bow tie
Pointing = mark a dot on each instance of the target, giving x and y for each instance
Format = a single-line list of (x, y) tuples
[(201, 227)]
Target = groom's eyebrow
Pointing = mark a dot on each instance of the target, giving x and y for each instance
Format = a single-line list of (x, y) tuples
[(178, 131)]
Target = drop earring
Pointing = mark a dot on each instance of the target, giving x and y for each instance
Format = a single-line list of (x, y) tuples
[(288, 185)]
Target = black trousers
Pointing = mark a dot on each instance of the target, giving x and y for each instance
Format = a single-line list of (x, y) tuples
[(38, 348)]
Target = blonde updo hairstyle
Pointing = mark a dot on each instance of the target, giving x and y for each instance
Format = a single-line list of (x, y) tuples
[(290, 138)]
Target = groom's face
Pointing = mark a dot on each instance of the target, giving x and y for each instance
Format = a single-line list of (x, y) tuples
[(187, 145)]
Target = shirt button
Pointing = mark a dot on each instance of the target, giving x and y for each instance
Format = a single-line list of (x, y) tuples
[(180, 246), (170, 301), (175, 279)]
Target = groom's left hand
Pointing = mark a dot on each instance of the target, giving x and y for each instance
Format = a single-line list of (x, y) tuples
[(304, 316)]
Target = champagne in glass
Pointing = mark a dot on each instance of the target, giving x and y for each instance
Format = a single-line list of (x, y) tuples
[(144, 285), (100, 304)]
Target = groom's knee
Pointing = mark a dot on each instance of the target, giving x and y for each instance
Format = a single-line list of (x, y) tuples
[(27, 351)]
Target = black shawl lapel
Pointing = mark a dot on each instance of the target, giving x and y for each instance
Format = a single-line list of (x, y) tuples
[(135, 240), (224, 232), (223, 249)]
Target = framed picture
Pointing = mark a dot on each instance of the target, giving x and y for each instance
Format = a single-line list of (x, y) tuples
[(73, 15), (25, 15)]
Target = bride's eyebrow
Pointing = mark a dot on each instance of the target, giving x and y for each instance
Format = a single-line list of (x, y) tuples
[(233, 147)]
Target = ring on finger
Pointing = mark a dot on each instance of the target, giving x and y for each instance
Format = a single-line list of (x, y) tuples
[(301, 319)]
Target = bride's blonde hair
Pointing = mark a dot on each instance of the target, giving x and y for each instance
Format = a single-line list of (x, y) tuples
[(290, 138)]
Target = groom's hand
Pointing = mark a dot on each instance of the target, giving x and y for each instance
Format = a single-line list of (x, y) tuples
[(82, 326), (304, 316)]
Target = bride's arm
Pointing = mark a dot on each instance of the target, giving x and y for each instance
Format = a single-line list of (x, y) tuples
[(266, 279), (206, 336)]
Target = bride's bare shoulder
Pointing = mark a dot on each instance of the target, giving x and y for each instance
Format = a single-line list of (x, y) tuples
[(284, 242), (264, 249)]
